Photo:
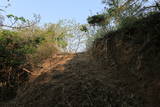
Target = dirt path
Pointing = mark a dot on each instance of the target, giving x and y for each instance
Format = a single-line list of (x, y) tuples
[(55, 63), (73, 80)]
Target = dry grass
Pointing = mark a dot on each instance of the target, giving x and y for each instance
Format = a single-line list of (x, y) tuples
[(75, 81), (43, 52)]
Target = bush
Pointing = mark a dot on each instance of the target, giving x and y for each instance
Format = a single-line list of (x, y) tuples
[(13, 49), (43, 52), (26, 48)]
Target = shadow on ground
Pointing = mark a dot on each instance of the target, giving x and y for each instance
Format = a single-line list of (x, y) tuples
[(77, 81)]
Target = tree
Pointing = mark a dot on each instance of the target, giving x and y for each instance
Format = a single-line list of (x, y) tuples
[(15, 22), (116, 10), (117, 14)]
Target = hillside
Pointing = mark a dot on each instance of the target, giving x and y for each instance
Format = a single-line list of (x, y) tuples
[(134, 54), (75, 80), (120, 70)]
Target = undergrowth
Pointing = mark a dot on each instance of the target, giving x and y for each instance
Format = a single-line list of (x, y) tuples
[(26, 49)]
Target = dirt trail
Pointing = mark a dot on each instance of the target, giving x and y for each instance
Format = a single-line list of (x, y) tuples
[(55, 63), (74, 80), (62, 78)]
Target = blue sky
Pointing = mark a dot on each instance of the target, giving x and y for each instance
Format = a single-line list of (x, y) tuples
[(54, 10)]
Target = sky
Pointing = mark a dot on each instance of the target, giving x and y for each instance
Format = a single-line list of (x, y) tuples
[(54, 10)]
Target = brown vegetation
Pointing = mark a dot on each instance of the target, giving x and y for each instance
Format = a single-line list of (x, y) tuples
[(121, 71), (134, 53)]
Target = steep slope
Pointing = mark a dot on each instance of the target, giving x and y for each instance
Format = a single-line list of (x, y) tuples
[(122, 71), (77, 82), (134, 52)]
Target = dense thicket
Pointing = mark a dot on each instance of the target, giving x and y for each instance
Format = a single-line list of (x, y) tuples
[(25, 49)]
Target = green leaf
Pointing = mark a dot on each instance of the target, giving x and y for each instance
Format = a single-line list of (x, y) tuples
[(10, 16)]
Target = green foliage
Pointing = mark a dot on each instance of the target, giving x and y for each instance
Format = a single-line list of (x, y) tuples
[(27, 48), (127, 21), (97, 19), (117, 10), (16, 18), (83, 28), (57, 34), (13, 49), (43, 52), (20, 47), (119, 14)]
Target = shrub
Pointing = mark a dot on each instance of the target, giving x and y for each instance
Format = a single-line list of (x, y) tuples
[(13, 49), (26, 48), (43, 52)]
